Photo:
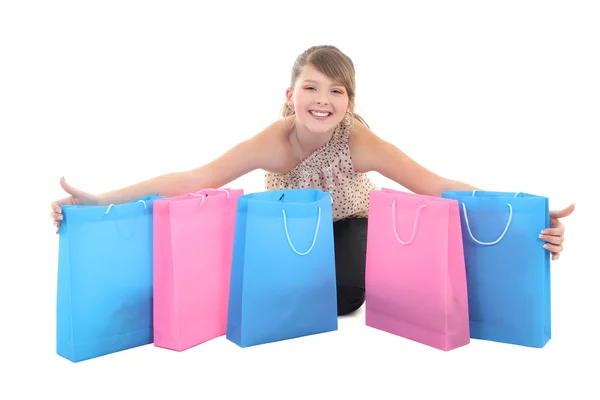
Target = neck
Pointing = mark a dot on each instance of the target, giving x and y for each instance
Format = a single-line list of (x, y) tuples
[(310, 142)]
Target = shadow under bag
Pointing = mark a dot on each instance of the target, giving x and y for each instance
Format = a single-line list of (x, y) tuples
[(508, 270)]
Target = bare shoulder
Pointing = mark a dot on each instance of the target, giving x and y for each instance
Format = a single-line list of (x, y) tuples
[(273, 147), (369, 152), (265, 150), (364, 145)]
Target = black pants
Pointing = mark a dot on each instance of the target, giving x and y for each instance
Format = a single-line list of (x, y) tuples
[(350, 238)]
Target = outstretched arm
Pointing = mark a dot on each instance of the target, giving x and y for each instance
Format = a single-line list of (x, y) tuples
[(253, 153), (371, 153), (260, 151), (232, 164)]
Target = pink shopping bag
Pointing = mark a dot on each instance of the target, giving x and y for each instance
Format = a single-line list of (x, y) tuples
[(193, 245), (415, 278)]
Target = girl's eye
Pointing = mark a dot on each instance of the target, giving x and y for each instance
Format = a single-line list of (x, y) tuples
[(338, 91)]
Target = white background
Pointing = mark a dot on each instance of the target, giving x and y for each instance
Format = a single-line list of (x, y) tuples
[(501, 95)]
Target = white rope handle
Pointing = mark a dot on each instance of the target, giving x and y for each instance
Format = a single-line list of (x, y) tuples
[(412, 236), (495, 241), (119, 229), (111, 205), (290, 240), (198, 193)]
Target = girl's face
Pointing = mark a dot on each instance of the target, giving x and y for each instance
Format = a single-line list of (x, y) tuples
[(320, 103)]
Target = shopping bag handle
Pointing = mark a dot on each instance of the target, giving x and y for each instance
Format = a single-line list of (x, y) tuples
[(290, 240), (464, 207), (199, 192), (111, 205), (412, 236)]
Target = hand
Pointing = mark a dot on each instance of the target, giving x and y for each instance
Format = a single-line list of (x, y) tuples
[(554, 236), (77, 197)]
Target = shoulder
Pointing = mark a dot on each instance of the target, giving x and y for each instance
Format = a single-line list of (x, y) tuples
[(272, 146), (371, 153), (366, 147)]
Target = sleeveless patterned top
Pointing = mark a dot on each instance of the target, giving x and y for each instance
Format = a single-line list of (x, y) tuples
[(330, 169)]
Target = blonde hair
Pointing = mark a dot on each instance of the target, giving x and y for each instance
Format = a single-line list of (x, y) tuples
[(330, 61)]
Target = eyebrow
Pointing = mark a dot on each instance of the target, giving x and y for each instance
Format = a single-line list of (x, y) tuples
[(311, 81)]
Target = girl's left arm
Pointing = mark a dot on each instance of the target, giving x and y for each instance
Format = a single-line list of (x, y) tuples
[(371, 153)]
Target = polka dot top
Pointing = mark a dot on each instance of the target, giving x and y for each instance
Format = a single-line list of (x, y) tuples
[(330, 169)]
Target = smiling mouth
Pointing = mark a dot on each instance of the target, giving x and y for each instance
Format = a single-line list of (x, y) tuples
[(320, 114)]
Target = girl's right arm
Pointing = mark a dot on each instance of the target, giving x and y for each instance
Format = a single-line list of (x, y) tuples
[(265, 150), (249, 155)]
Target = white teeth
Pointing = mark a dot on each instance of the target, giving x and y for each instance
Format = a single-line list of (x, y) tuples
[(319, 114)]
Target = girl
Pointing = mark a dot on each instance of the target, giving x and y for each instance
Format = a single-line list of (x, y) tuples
[(319, 143)]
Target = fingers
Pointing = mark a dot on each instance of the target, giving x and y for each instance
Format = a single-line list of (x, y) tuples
[(553, 248), (56, 212), (56, 217), (565, 212), (556, 240), (557, 231), (55, 206), (68, 188), (554, 244), (64, 184)]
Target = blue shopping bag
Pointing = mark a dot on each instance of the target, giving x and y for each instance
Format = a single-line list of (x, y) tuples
[(283, 283), (104, 288), (508, 270)]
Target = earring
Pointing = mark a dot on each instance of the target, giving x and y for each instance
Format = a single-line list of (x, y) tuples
[(290, 111), (350, 117)]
